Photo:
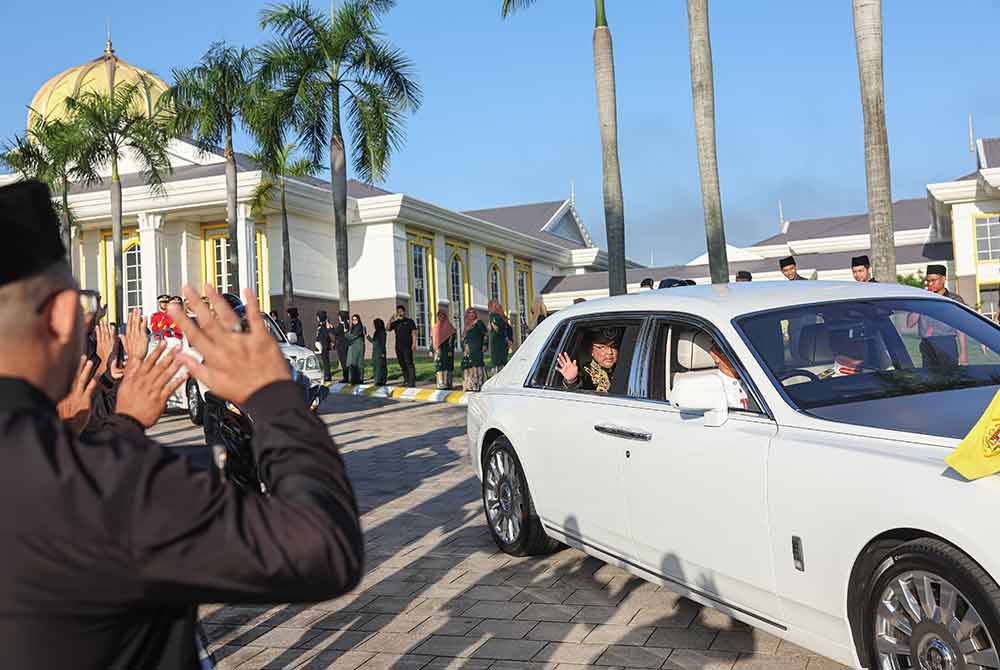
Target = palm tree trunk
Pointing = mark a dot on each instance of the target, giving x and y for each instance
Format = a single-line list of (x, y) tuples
[(703, 98), (116, 240), (338, 187), (286, 253), (607, 113), (67, 232), (232, 245), (868, 41)]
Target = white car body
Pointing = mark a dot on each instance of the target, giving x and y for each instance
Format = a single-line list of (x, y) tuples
[(304, 360), (711, 510)]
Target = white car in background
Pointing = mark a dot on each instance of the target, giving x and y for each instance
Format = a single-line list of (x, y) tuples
[(821, 511), (191, 396)]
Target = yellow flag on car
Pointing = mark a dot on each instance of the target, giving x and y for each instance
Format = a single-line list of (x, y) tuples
[(978, 454)]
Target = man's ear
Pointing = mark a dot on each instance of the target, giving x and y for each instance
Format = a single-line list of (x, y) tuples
[(64, 316)]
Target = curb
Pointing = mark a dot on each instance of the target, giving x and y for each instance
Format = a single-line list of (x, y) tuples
[(401, 393)]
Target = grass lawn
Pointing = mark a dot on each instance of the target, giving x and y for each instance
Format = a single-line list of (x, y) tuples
[(423, 363)]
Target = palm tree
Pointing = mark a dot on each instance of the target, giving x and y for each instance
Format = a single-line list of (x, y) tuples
[(277, 163), (210, 101), (703, 98), (110, 125), (868, 42), (324, 68), (48, 152), (607, 113)]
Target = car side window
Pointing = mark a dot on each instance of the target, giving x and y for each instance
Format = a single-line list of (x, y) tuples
[(681, 349), (547, 358), (596, 356)]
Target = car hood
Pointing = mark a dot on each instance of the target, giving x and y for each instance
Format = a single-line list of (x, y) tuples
[(294, 351), (948, 414)]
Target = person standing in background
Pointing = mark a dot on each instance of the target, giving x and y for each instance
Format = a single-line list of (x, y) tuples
[(295, 325), (861, 269), (160, 324), (646, 284), (500, 337), (743, 276), (355, 338), (404, 327), (538, 313), (339, 335), (379, 362), (443, 341), (790, 269), (473, 349), (277, 320), (323, 342)]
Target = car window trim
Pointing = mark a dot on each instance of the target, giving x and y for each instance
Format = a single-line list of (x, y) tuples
[(674, 318), (558, 332)]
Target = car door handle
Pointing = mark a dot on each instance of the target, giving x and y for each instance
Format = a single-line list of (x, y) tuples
[(624, 433)]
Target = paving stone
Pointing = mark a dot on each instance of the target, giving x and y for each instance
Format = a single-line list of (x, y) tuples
[(590, 597), (396, 662), (551, 595), (335, 640), (286, 637), (634, 657), (619, 634), (444, 663), (821, 663), (754, 641), (629, 585), (392, 605), (562, 613), (770, 662), (341, 620), (523, 665), (277, 659), (595, 614), (681, 617), (681, 639), (391, 623), (786, 648), (446, 625), (560, 632), (391, 588), (569, 652), (494, 610), (445, 606), (686, 659), (232, 657), (513, 630), (392, 643), (501, 593), (509, 650), (336, 660), (533, 579), (449, 645), (713, 619)]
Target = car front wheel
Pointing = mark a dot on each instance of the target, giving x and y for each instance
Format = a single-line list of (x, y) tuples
[(510, 514), (933, 608), (195, 403)]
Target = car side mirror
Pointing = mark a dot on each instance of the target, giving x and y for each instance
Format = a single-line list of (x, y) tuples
[(292, 338), (701, 393)]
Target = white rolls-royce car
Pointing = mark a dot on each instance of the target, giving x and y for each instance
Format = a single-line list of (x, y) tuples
[(774, 450)]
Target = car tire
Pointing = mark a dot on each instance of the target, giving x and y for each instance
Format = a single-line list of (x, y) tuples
[(195, 403), (947, 602), (507, 505)]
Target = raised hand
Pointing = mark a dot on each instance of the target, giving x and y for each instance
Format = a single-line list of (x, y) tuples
[(74, 409), (148, 382), (105, 345), (236, 364), (567, 367), (135, 340)]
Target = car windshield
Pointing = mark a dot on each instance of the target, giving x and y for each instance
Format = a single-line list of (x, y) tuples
[(842, 352), (272, 327)]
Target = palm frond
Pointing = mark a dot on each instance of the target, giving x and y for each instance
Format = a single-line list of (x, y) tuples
[(508, 7), (384, 63), (262, 195), (376, 122)]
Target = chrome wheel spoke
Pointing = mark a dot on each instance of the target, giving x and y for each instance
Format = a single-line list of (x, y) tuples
[(925, 593), (970, 622), (986, 658), (888, 645), (949, 598), (908, 600)]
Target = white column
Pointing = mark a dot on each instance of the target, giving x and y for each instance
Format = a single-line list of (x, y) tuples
[(512, 307), (246, 238), (151, 258), (478, 269)]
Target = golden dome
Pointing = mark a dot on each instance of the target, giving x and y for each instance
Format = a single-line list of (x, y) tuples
[(100, 75)]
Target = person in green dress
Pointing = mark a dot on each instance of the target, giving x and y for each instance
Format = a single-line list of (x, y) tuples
[(378, 353), (356, 350), (473, 348), (443, 339), (500, 336)]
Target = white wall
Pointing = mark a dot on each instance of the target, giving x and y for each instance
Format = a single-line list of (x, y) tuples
[(314, 264), (477, 275), (373, 271)]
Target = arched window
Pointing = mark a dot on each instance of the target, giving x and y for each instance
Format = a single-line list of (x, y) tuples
[(456, 286), (133, 277), (496, 283), (418, 257)]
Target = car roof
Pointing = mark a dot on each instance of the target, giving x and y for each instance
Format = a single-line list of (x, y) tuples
[(724, 302)]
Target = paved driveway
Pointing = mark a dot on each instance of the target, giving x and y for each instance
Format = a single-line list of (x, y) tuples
[(438, 594)]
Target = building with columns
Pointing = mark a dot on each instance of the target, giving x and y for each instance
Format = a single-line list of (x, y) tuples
[(402, 250)]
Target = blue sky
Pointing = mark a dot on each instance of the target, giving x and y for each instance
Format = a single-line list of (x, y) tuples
[(509, 114)]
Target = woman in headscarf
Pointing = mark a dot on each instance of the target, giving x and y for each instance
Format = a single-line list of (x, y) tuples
[(323, 342), (538, 313), (473, 348), (341, 343), (355, 339), (443, 339), (378, 353), (500, 336)]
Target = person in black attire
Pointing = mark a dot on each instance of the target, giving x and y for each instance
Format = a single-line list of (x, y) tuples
[(295, 325), (405, 328), (595, 369), (277, 320), (790, 269), (743, 276), (861, 269), (111, 543), (339, 335), (323, 342)]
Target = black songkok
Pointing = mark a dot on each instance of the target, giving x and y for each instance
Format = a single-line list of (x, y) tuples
[(786, 261), (937, 270), (860, 260), (744, 275), (31, 231)]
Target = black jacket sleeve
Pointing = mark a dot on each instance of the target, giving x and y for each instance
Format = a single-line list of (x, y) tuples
[(192, 538)]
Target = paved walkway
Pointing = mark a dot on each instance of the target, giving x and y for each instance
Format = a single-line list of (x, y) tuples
[(438, 594)]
